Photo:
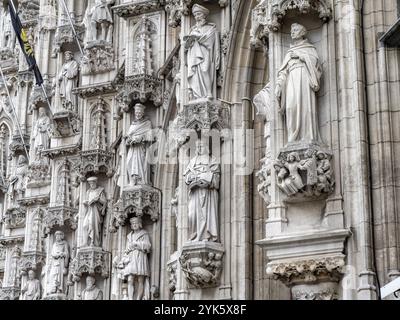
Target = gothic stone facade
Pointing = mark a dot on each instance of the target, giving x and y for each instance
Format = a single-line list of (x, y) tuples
[(193, 149)]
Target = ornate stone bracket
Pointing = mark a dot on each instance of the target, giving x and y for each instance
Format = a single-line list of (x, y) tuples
[(28, 11), (136, 201), (304, 171), (15, 217), (67, 123), (141, 88), (138, 7), (95, 162), (8, 59), (90, 261), (60, 216), (202, 263), (95, 90), (268, 15), (16, 145), (31, 260), (64, 151), (98, 58)]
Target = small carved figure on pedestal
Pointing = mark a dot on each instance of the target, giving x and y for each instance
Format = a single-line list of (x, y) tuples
[(41, 135), (91, 292), (203, 177), (96, 205), (203, 56), (324, 172), (67, 80), (18, 180), (297, 84), (58, 264), (134, 264), (138, 138), (31, 290)]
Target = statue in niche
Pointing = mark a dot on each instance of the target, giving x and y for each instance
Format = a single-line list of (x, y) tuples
[(203, 177), (96, 205), (18, 180), (297, 84), (9, 37), (203, 56), (134, 264), (67, 81), (99, 22), (91, 292), (31, 290), (58, 264), (138, 138), (41, 134)]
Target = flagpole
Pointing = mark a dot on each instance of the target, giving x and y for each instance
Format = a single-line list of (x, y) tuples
[(47, 99), (15, 113), (72, 26)]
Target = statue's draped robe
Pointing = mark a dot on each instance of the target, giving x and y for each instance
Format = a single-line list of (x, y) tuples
[(92, 222), (17, 183), (203, 201), (92, 293), (32, 290), (41, 135), (300, 80), (68, 74), (137, 159), (57, 266), (203, 59)]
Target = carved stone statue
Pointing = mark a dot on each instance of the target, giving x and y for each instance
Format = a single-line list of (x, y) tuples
[(95, 210), (67, 80), (134, 264), (203, 56), (297, 84), (58, 264), (41, 134), (18, 180), (91, 292), (137, 140), (203, 177), (31, 290), (8, 37), (99, 21)]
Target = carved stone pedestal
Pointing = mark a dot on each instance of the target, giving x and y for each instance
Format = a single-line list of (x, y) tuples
[(204, 115), (65, 36), (136, 201), (60, 216), (202, 264), (67, 123), (9, 293), (90, 260), (311, 264), (55, 296), (98, 58), (304, 171), (16, 145), (143, 87), (7, 59)]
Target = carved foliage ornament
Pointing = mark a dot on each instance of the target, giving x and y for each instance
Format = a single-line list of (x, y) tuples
[(90, 261), (60, 216), (310, 270)]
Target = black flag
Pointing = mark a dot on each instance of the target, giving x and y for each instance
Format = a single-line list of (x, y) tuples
[(24, 43)]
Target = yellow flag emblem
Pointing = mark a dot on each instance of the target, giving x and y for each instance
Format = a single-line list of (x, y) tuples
[(27, 47)]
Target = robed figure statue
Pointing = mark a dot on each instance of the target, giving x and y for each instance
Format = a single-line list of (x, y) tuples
[(58, 265), (203, 56), (67, 80), (297, 84), (138, 138), (203, 177), (95, 204)]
